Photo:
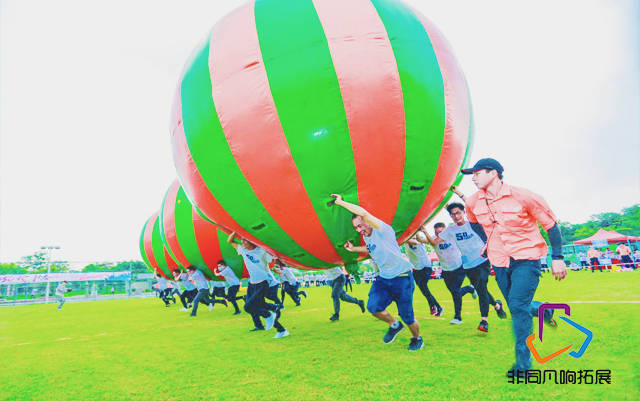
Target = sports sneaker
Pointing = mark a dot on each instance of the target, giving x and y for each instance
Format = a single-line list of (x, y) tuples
[(455, 321), (500, 311), (474, 294), (257, 329), (282, 334), (433, 311), (210, 306), (440, 311), (483, 326), (304, 293), (334, 318), (184, 310), (225, 302), (167, 305), (548, 318), (392, 333), (361, 305), (238, 313), (269, 321), (416, 344)]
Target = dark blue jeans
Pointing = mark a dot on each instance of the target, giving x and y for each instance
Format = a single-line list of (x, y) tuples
[(518, 284), (453, 280), (421, 278)]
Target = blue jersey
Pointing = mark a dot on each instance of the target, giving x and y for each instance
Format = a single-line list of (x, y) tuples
[(417, 255), (385, 251), (467, 241)]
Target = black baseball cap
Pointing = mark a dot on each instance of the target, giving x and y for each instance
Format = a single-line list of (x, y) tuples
[(484, 164)]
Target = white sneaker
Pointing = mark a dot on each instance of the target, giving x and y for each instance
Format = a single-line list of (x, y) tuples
[(210, 307), (282, 334), (455, 321), (184, 310), (269, 321)]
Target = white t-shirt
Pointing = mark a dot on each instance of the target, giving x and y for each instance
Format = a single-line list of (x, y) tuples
[(230, 276), (334, 273), (385, 251), (61, 289), (257, 261), (449, 256), (162, 283), (417, 255), (467, 241)]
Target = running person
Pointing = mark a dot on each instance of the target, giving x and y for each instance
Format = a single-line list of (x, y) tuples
[(338, 278), (257, 261), (452, 271), (163, 289), (233, 282), (395, 281), (202, 296), (219, 290), (190, 291), (476, 267), (61, 289), (289, 283), (419, 258), (509, 217)]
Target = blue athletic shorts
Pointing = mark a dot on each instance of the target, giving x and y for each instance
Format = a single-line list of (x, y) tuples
[(399, 289)]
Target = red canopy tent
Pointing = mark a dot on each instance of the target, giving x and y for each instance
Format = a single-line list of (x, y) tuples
[(609, 236)]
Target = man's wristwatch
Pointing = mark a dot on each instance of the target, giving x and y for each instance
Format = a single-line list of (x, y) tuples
[(557, 257)]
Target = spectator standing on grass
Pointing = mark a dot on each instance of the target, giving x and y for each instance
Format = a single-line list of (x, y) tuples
[(593, 255), (61, 289), (583, 260), (395, 281), (625, 255), (338, 293), (509, 217)]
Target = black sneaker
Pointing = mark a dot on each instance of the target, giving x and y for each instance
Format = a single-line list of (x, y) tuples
[(483, 326), (334, 318), (500, 311), (416, 344), (361, 305), (238, 313), (257, 329), (440, 311), (392, 333)]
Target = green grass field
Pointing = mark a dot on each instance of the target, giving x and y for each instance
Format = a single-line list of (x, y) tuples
[(139, 350)]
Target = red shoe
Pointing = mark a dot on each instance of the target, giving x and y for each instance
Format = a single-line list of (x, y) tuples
[(434, 311)]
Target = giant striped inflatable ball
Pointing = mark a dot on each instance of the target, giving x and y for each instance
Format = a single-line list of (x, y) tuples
[(153, 252), (289, 101), (192, 240)]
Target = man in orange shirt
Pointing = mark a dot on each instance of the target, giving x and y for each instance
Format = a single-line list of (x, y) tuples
[(594, 255), (624, 252), (508, 217)]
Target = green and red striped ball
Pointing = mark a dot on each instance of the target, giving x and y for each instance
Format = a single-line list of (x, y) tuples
[(153, 252), (289, 101), (192, 240)]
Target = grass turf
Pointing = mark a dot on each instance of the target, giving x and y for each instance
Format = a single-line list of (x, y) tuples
[(139, 350)]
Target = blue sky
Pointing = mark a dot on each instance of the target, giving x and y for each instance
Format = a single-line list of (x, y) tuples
[(86, 90)]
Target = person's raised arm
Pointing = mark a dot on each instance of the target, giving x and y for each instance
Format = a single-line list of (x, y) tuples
[(413, 241), (358, 249), (370, 219), (456, 191), (430, 239), (231, 239)]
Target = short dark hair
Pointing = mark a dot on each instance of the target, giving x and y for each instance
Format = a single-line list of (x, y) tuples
[(221, 262), (454, 205), (175, 271), (192, 267), (438, 225)]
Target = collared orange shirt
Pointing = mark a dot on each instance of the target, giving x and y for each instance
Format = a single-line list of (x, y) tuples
[(593, 253), (511, 223), (623, 250)]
